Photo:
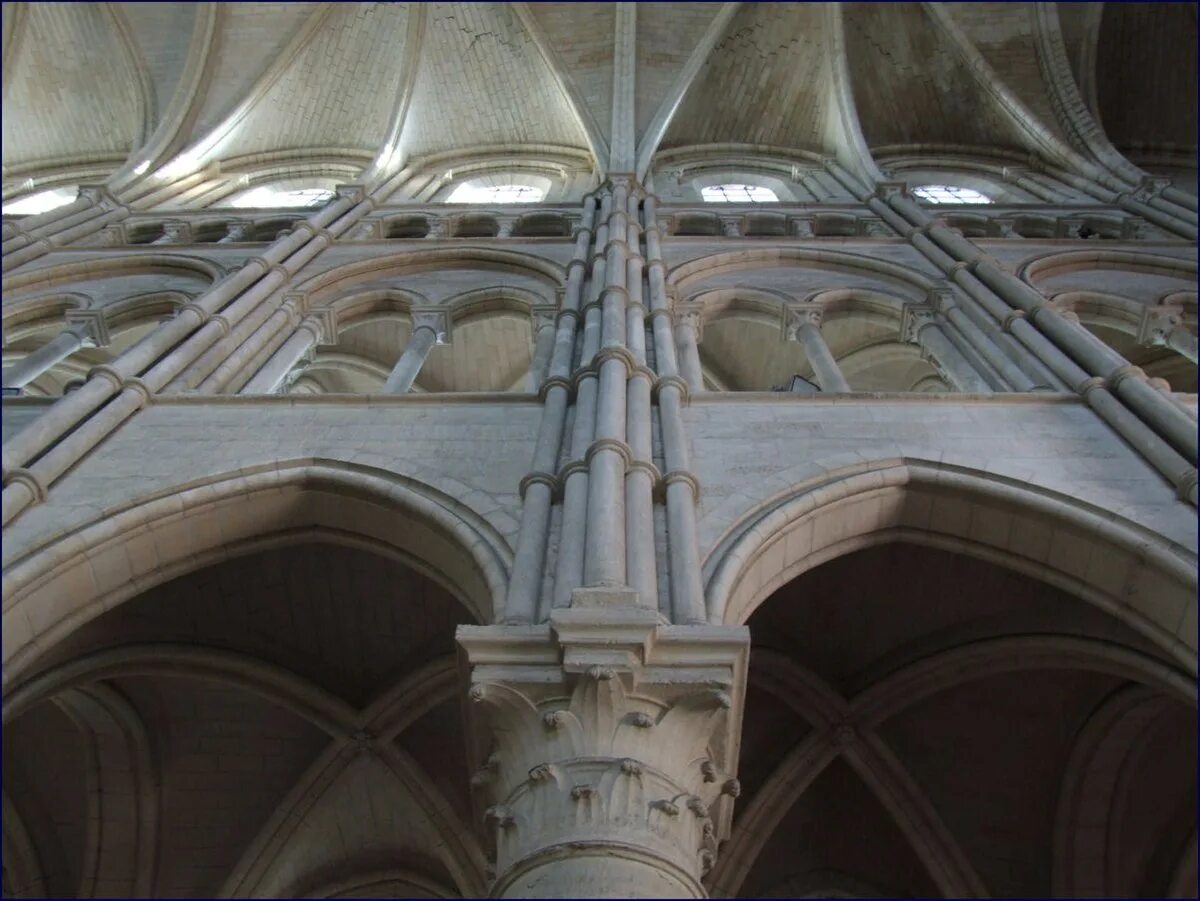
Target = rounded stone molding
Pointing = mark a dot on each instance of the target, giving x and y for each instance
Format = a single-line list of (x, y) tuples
[(262, 263), (539, 478), (687, 478), (615, 352), (610, 444), (570, 468), (671, 381), (1123, 372), (1186, 485), (22, 476), (644, 466), (581, 374), (556, 381), (138, 386), (1007, 324), (107, 372)]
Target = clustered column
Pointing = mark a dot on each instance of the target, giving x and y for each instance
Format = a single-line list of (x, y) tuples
[(604, 559), (682, 489), (1150, 421), (921, 326), (74, 337), (521, 604), (574, 476), (283, 361), (36, 457)]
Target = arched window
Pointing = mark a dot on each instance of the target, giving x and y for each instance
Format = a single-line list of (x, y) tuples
[(274, 197), (40, 202), (469, 192), (738, 194), (949, 194)]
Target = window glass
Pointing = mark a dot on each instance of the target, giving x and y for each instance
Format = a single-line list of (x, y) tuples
[(949, 194), (40, 202), (738, 194), (266, 197), (472, 193)]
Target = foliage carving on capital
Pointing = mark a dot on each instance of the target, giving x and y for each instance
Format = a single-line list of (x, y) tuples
[(798, 315), (568, 717), (1157, 323), (691, 314), (914, 318)]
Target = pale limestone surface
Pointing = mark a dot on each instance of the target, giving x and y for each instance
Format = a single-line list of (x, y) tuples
[(396, 548)]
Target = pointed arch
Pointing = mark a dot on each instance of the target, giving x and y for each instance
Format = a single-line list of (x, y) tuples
[(71, 578), (1129, 572)]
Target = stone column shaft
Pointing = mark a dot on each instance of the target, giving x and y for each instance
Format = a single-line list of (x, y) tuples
[(121, 375), (408, 367), (934, 342), (1014, 297), (568, 569), (604, 558), (1012, 374), (268, 379), (568, 572), (687, 601), (543, 346), (687, 342), (525, 601), (237, 232), (68, 341), (1180, 340), (825, 368), (641, 564)]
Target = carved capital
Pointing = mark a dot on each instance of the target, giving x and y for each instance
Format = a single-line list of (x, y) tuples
[(326, 321), (1003, 227), (112, 234), (914, 318), (802, 228), (100, 196), (91, 321), (543, 316), (435, 320), (609, 728), (367, 230), (354, 191), (691, 314), (798, 315), (1150, 187), (1157, 323), (295, 302), (886, 189), (177, 232), (941, 298), (870, 227)]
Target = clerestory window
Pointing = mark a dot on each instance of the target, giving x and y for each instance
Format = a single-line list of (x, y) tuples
[(949, 194), (266, 197), (484, 194), (40, 202), (738, 194)]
